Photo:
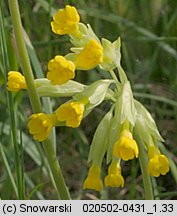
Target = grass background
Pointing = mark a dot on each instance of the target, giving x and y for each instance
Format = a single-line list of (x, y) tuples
[(149, 56)]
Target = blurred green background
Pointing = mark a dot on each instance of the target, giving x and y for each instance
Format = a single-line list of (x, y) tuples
[(148, 29)]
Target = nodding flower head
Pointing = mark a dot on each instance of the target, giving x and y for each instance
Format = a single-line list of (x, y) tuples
[(90, 56), (93, 180), (16, 81), (158, 163), (40, 125), (114, 177), (65, 21), (71, 113), (60, 70), (126, 147)]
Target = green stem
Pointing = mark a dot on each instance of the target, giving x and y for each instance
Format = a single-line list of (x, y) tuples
[(34, 98), (146, 178), (56, 171), (23, 55), (114, 76), (116, 80), (122, 75)]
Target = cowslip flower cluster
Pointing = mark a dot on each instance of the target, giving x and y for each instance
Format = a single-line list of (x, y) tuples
[(124, 128)]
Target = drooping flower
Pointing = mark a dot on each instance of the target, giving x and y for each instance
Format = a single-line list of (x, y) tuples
[(90, 56), (60, 70), (16, 81), (158, 163), (93, 180), (40, 125), (114, 177), (65, 21), (71, 113), (126, 147)]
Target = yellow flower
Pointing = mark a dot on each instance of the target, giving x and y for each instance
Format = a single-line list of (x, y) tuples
[(158, 163), (71, 113), (60, 70), (65, 21), (90, 56), (40, 125), (126, 147), (114, 177), (16, 81), (93, 180)]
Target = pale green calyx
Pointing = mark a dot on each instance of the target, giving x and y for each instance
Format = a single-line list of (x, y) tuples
[(46, 89), (111, 54), (95, 93), (114, 132), (99, 143), (126, 101), (145, 126), (86, 34)]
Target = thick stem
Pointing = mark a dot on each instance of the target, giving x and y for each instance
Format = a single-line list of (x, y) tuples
[(56, 171), (146, 178), (34, 98), (23, 55)]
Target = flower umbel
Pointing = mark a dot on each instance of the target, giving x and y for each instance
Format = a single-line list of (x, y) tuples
[(16, 81), (65, 21), (126, 147), (90, 56), (71, 113), (60, 70), (40, 125), (114, 177), (158, 163), (93, 180)]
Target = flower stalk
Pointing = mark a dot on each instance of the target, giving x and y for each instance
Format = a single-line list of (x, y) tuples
[(146, 177), (34, 98)]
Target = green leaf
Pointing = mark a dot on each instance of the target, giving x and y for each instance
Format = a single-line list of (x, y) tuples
[(99, 142)]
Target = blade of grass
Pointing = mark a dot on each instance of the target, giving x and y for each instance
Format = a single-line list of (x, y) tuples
[(35, 189), (155, 97), (14, 139), (6, 163)]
